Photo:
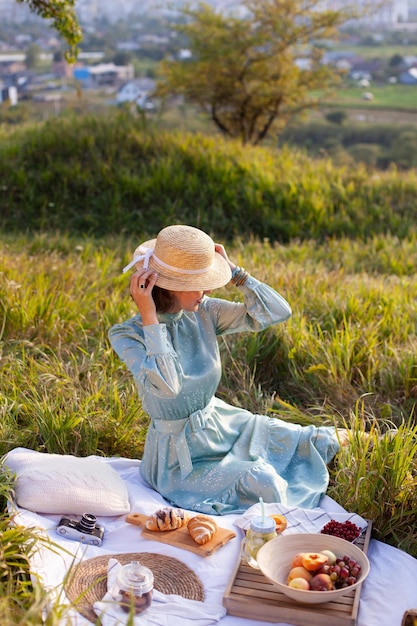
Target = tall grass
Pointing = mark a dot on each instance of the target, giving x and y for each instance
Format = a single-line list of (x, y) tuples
[(353, 330), (23, 599), (351, 342), (59, 372), (382, 480), (339, 245)]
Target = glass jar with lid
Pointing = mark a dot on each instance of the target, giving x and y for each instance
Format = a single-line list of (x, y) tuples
[(135, 587), (261, 530)]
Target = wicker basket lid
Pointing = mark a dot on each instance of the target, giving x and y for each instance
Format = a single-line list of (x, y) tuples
[(87, 582)]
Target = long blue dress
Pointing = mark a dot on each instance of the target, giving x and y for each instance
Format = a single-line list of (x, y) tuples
[(201, 453)]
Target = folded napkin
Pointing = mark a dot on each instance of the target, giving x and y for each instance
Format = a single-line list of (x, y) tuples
[(299, 520), (165, 610)]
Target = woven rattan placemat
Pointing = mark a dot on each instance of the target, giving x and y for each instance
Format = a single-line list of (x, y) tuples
[(87, 582)]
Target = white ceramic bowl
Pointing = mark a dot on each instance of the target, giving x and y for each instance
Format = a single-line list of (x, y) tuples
[(274, 560)]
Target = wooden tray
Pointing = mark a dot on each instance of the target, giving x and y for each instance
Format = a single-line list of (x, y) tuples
[(181, 538), (249, 594)]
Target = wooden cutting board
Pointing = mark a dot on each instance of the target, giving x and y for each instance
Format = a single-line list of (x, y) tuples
[(180, 537)]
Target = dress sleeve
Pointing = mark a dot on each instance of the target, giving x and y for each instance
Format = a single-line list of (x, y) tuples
[(148, 354), (262, 307)]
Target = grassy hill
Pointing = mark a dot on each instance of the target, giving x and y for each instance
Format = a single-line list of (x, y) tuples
[(110, 174)]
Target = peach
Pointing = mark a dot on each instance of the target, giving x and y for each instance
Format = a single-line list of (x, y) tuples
[(313, 560), (297, 559), (321, 582), (299, 572), (280, 522), (299, 583)]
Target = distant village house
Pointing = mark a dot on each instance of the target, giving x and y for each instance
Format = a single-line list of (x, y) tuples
[(103, 74), (9, 95), (139, 91), (409, 77)]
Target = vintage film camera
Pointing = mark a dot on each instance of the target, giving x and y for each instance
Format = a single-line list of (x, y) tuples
[(86, 530)]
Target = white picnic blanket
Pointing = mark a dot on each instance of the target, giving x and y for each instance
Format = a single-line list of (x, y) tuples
[(388, 592)]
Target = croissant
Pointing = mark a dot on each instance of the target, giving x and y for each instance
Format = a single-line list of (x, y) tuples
[(202, 528), (167, 519)]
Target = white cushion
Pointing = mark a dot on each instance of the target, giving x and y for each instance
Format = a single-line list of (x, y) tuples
[(65, 484)]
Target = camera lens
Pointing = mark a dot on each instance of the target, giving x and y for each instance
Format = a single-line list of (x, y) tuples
[(87, 523)]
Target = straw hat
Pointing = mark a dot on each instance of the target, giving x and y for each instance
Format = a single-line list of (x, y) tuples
[(184, 258)]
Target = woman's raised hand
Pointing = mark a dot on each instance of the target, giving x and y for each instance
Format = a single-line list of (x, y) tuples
[(141, 284), (220, 250)]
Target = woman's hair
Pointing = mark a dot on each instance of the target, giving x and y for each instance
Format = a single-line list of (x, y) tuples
[(164, 299)]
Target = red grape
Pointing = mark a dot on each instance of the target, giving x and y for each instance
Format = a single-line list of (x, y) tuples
[(345, 530)]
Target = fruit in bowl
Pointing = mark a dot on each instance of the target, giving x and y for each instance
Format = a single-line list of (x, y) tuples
[(321, 582), (324, 571), (299, 572), (340, 567), (299, 583), (312, 561)]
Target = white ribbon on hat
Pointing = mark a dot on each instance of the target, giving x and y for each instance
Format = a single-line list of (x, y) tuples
[(150, 253), (136, 259)]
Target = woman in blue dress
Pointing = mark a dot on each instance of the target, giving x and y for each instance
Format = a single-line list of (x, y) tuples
[(201, 453)]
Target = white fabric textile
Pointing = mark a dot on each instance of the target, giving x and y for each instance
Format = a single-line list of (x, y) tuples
[(165, 610), (66, 484), (299, 520), (387, 593)]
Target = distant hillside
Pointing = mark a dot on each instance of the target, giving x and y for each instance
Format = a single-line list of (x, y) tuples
[(107, 175)]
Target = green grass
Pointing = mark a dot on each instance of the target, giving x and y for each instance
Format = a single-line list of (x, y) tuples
[(396, 97), (382, 51), (23, 599), (351, 343), (99, 175), (76, 197), (382, 480)]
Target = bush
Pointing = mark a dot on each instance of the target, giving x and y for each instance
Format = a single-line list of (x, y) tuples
[(336, 117), (316, 136), (365, 153), (403, 149)]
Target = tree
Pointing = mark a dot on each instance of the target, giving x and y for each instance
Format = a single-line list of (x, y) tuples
[(254, 72), (336, 117), (32, 56), (403, 149), (64, 21), (122, 57), (396, 61)]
